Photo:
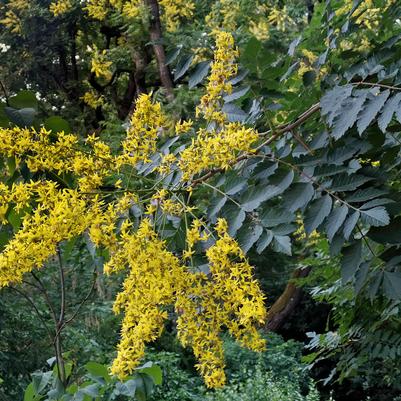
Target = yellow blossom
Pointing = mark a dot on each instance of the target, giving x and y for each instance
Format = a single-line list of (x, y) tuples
[(100, 66), (60, 7)]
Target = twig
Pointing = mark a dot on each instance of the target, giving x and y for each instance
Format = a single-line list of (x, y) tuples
[(374, 84), (277, 133)]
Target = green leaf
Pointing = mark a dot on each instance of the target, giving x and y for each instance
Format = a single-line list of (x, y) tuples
[(392, 285), (57, 124), (375, 102), (234, 113), (350, 224), (234, 184), (237, 94), (98, 370), (216, 204), (24, 100), (155, 373), (363, 195), (199, 74), (308, 78), (4, 120), (282, 244), (390, 107), (252, 199), (335, 220), (41, 380), (316, 213), (234, 216), (345, 182), (360, 277), (348, 114), (389, 234), (298, 196), (182, 66), (331, 101), (377, 216), (30, 393), (272, 217), (352, 258), (23, 117), (92, 390), (144, 386), (252, 49), (264, 240), (327, 170), (248, 235)]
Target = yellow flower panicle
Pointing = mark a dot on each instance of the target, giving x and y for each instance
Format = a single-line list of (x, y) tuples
[(97, 9), (174, 10), (216, 149), (60, 7), (100, 66), (42, 153), (12, 22), (93, 100), (147, 123), (155, 275), (61, 218), (228, 297), (223, 69)]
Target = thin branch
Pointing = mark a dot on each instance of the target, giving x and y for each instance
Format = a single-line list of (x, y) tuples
[(277, 133), (29, 300), (5, 92), (377, 85), (43, 290), (62, 287), (81, 304)]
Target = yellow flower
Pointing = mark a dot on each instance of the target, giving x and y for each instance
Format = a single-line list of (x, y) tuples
[(60, 7), (100, 66), (147, 123), (93, 100), (223, 69)]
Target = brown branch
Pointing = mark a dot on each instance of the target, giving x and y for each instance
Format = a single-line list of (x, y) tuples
[(374, 84), (74, 315), (282, 129), (43, 290), (35, 308)]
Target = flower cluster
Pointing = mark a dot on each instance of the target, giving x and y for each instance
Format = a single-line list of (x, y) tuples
[(174, 10), (60, 7), (211, 149), (155, 275), (93, 100), (62, 215), (205, 304), (100, 65), (227, 297), (147, 123), (42, 152), (14, 9), (223, 69)]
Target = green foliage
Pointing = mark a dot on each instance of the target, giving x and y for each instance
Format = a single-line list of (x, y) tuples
[(277, 372), (94, 384)]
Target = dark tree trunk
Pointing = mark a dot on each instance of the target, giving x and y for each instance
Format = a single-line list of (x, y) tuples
[(156, 38), (287, 302)]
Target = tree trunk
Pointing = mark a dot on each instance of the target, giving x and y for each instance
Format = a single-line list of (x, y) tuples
[(287, 302), (156, 38)]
